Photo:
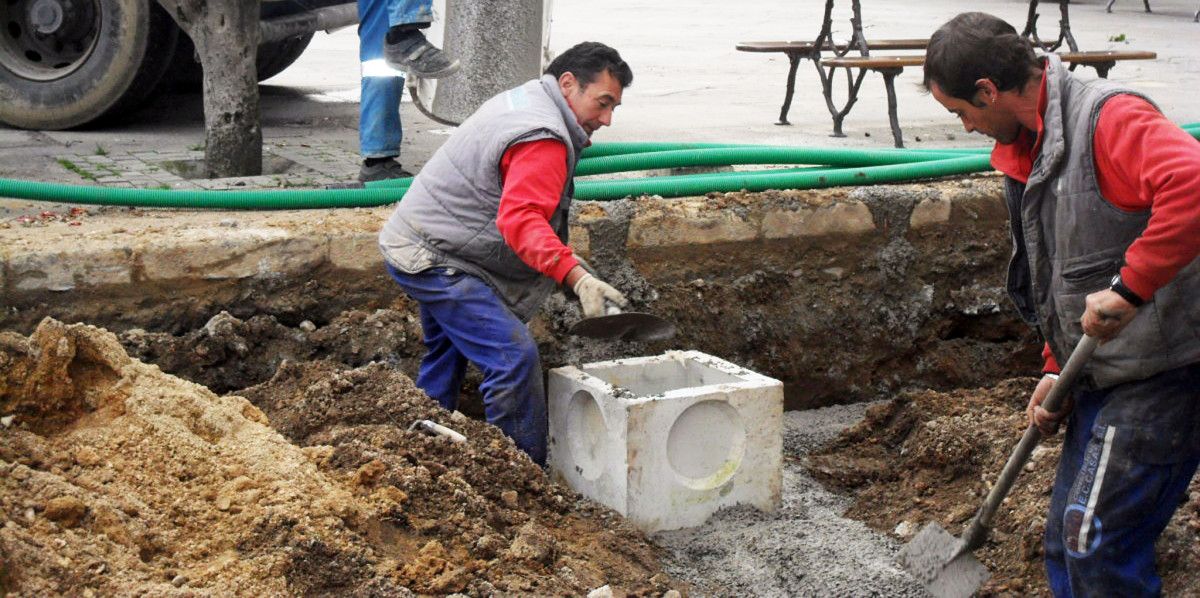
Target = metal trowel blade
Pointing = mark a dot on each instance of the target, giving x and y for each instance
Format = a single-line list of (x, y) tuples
[(933, 558), (627, 326)]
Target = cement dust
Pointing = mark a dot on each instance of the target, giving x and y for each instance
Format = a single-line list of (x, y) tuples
[(118, 479), (931, 456)]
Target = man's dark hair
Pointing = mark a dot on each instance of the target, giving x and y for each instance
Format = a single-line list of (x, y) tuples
[(587, 60), (973, 46)]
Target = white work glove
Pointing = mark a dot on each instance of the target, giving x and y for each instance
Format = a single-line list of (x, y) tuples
[(592, 294)]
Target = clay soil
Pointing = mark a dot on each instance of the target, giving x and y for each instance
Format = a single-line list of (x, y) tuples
[(930, 456), (118, 479)]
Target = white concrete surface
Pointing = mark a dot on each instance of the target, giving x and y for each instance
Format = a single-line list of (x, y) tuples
[(667, 440)]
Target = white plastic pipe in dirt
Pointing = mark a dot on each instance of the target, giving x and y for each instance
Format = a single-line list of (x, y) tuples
[(500, 46)]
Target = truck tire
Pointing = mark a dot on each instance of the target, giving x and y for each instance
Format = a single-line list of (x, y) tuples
[(67, 63), (185, 74), (274, 57)]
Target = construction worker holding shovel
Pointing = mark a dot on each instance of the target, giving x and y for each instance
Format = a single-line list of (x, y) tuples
[(1103, 194), (480, 238)]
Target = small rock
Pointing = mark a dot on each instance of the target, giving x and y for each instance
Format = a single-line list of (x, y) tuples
[(672, 594), (601, 592), (509, 497), (836, 273), (230, 223), (87, 456), (307, 326), (66, 510), (179, 581), (905, 529), (7, 420)]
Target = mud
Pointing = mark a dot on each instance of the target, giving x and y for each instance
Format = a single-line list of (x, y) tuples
[(930, 456), (119, 479)]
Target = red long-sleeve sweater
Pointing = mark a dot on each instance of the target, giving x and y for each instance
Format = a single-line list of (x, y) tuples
[(1143, 161), (534, 173)]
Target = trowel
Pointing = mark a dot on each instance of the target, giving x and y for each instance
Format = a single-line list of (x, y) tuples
[(945, 563), (628, 326)]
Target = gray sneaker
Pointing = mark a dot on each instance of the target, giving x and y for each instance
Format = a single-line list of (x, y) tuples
[(381, 171), (419, 57)]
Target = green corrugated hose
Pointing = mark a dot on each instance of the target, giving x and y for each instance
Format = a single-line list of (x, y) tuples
[(865, 167)]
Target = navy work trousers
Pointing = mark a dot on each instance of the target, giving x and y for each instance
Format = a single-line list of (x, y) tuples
[(1128, 456), (464, 319)]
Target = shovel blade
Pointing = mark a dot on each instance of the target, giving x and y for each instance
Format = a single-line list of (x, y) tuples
[(626, 326), (932, 557)]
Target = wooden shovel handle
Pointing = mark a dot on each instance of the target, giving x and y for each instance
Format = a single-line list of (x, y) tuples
[(977, 532)]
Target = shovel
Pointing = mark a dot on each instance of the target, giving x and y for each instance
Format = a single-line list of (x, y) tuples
[(628, 326), (943, 563)]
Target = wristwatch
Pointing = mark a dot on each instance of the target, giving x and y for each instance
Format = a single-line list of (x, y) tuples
[(1119, 288)]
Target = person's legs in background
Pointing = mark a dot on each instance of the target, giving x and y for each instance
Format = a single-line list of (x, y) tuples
[(406, 47), (379, 129)]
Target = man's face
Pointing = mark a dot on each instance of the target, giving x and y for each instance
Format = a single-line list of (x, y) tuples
[(594, 103), (982, 113)]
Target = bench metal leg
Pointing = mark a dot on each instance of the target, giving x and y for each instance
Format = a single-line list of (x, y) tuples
[(889, 81), (853, 84), (794, 59)]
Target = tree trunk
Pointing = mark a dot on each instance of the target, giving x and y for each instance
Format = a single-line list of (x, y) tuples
[(225, 33)]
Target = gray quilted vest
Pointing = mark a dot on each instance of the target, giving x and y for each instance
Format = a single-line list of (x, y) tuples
[(448, 215), (1069, 242)]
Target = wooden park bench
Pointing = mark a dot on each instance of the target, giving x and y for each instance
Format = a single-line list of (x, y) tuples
[(797, 51), (1108, 8), (891, 66)]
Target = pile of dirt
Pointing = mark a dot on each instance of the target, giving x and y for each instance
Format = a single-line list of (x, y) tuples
[(118, 479), (929, 456)]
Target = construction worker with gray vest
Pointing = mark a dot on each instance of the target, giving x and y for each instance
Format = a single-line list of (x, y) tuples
[(480, 239), (1103, 194)]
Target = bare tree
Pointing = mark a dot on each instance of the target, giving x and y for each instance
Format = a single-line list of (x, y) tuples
[(225, 33)]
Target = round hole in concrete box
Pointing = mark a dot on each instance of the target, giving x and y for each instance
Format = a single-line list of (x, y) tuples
[(706, 444), (586, 434)]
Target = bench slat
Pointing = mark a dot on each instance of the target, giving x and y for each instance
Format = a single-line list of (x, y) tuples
[(882, 62), (1106, 56), (793, 46)]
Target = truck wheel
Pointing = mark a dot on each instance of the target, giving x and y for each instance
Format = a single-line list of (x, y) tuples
[(66, 63), (185, 74), (273, 57)]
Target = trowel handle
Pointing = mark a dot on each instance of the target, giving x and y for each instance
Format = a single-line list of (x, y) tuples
[(977, 532)]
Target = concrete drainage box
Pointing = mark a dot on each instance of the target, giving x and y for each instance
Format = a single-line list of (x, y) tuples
[(667, 440)]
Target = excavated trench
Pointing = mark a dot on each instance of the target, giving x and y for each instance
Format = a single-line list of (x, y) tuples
[(844, 295)]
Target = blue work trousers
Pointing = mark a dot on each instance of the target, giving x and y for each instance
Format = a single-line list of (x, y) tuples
[(379, 129), (464, 319), (1128, 456)]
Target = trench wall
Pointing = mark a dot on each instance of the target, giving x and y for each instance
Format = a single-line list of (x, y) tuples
[(843, 294)]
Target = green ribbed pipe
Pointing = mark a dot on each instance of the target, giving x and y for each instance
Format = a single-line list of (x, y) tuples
[(922, 164), (681, 186), (729, 156), (296, 199)]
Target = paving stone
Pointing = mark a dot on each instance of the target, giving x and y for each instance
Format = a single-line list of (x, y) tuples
[(930, 212), (224, 253), (837, 218), (84, 264), (687, 222)]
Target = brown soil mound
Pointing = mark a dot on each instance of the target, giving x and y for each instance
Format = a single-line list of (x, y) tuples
[(118, 479), (931, 457)]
